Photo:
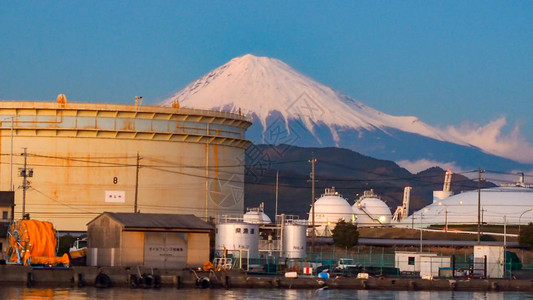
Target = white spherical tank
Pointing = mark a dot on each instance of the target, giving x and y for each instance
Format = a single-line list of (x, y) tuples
[(329, 209), (238, 239), (370, 210), (256, 215), (294, 241)]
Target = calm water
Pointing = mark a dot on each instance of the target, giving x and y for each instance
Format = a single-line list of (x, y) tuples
[(242, 294)]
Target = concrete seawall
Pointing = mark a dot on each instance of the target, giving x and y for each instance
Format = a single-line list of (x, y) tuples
[(154, 278)]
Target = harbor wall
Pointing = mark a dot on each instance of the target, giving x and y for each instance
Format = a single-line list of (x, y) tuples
[(177, 279)]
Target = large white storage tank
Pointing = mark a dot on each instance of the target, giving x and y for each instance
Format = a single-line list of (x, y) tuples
[(124, 158), (238, 239), (498, 205), (329, 209), (370, 210), (294, 241)]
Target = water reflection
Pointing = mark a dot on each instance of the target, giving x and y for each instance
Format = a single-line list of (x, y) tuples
[(244, 294)]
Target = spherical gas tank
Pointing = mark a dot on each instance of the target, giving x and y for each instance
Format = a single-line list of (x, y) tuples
[(329, 209), (256, 217), (369, 210)]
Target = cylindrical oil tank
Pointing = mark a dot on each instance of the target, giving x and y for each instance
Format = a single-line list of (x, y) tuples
[(238, 239), (83, 159), (294, 241)]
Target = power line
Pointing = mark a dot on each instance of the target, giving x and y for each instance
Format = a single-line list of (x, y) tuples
[(422, 180)]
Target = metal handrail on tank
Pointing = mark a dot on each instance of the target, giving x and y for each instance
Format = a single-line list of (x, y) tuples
[(291, 219), (123, 107), (369, 194), (331, 192), (20, 120), (260, 208), (221, 219), (151, 113)]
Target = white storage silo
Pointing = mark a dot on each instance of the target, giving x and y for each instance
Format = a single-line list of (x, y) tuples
[(238, 239), (294, 241)]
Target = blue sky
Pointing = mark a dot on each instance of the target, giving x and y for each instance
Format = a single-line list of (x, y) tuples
[(446, 62)]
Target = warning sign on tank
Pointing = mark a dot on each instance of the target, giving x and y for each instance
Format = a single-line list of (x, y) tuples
[(115, 196)]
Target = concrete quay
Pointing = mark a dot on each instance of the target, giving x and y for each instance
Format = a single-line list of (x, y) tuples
[(143, 277)]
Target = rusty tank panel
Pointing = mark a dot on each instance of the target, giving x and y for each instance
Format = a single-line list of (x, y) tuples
[(85, 160)]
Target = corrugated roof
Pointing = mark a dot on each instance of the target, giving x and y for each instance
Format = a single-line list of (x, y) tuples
[(168, 221)]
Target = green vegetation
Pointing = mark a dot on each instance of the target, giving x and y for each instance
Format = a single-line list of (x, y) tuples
[(525, 237), (345, 234)]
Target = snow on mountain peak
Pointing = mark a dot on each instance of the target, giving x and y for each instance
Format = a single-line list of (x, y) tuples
[(265, 86)]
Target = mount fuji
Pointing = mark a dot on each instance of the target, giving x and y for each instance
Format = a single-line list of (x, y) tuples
[(290, 108)]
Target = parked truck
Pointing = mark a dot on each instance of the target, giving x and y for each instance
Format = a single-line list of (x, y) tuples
[(345, 265)]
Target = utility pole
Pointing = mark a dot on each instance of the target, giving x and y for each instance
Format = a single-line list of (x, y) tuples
[(421, 225), (277, 194), (136, 182), (11, 188), (504, 239), (25, 173), (313, 161), (479, 180)]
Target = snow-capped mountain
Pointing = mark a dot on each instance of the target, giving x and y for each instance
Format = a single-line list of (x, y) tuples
[(291, 108), (262, 85)]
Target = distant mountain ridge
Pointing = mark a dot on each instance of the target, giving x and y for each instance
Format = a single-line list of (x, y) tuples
[(291, 108), (351, 173)]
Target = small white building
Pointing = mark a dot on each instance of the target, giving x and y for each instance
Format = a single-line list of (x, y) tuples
[(430, 265), (151, 240), (489, 261), (427, 264)]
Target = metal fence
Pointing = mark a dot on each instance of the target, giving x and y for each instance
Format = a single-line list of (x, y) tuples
[(382, 261)]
